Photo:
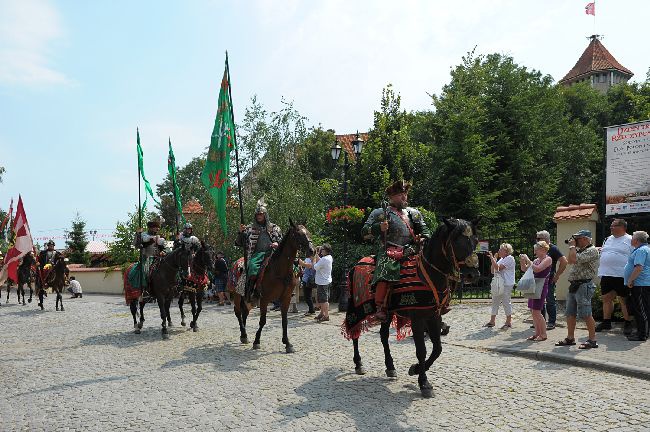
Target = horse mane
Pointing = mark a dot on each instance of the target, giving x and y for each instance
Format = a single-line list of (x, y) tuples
[(283, 243)]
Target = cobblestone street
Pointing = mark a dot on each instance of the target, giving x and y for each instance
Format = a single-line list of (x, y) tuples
[(85, 369)]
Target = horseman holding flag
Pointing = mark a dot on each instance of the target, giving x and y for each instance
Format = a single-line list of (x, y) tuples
[(400, 230), (151, 244)]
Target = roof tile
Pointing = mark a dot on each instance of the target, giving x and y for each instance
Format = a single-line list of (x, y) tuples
[(575, 212), (594, 58)]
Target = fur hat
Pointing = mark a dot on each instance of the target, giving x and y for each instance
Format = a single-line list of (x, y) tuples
[(400, 186), (153, 224)]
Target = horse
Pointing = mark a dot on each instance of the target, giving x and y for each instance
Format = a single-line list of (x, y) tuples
[(195, 284), (25, 276), (161, 286), (276, 282), (236, 287), (418, 300), (54, 278)]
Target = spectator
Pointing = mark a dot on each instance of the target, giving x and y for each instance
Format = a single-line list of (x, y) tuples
[(75, 288), (220, 279), (550, 309), (541, 269), (308, 284), (583, 257), (504, 268), (637, 278), (322, 264), (614, 256)]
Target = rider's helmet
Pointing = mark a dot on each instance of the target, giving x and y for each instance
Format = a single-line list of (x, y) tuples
[(50, 243)]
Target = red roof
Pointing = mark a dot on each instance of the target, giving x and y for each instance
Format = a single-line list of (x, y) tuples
[(575, 212), (345, 141), (192, 207), (595, 58)]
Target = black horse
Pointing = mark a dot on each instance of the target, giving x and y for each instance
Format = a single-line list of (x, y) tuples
[(54, 278), (25, 277), (161, 287), (194, 285), (446, 257)]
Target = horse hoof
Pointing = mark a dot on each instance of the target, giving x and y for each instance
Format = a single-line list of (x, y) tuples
[(169, 324), (62, 309), (183, 323), (29, 301), (243, 340), (413, 370), (140, 325), (57, 308), (195, 328), (391, 373), (256, 346), (427, 392), (40, 305), (192, 324), (165, 336), (137, 331), (290, 349), (360, 370), (445, 330)]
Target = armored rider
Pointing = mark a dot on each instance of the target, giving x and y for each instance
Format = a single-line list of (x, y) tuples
[(399, 230), (259, 239), (152, 245), (46, 256), (186, 239)]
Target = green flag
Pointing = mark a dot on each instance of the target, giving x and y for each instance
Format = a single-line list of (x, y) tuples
[(215, 175), (147, 186), (171, 167)]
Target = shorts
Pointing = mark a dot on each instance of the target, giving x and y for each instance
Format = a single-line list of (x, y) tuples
[(323, 293), (613, 283), (578, 304), (219, 285)]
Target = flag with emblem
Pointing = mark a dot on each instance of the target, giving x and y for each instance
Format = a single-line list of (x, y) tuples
[(216, 172), (171, 167), (23, 244)]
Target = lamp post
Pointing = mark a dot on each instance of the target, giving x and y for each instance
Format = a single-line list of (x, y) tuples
[(357, 146), (93, 233)]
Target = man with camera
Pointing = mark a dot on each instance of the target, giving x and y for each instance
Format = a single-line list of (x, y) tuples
[(583, 258)]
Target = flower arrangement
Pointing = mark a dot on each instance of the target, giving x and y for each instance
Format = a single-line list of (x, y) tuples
[(348, 214)]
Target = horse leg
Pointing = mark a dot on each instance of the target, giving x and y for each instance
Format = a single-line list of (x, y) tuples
[(193, 306), (263, 305), (8, 290), (133, 306), (199, 308), (40, 297), (240, 306), (358, 366), (388, 358), (434, 328), (141, 314), (285, 322), (18, 290), (181, 300), (417, 326), (168, 305), (59, 297), (163, 316), (31, 291)]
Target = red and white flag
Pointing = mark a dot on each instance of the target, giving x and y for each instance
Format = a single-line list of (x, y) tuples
[(590, 9), (22, 245)]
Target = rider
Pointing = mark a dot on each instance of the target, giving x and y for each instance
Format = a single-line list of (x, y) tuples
[(259, 239), (151, 244), (400, 230), (186, 239), (46, 256)]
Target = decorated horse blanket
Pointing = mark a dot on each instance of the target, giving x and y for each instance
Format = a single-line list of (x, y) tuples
[(236, 283), (409, 293)]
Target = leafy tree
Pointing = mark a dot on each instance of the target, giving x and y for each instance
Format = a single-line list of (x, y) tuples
[(2, 171), (76, 242), (122, 251)]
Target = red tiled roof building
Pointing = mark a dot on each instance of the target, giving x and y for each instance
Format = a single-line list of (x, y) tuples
[(597, 66)]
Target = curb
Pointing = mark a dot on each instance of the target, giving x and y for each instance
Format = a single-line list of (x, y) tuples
[(600, 365)]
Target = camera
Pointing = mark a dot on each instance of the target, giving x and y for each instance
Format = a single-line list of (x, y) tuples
[(569, 239)]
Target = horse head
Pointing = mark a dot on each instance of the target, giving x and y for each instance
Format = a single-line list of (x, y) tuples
[(203, 260), (300, 235), (452, 248)]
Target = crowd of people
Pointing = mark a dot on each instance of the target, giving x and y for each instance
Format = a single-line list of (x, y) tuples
[(622, 263)]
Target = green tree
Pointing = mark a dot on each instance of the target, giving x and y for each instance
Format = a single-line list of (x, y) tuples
[(76, 242), (122, 251), (2, 171)]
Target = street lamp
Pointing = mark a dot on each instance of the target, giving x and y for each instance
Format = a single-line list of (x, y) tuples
[(93, 233), (357, 146)]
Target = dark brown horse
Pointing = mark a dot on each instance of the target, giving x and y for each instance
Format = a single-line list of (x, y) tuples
[(277, 283), (447, 255), (26, 273), (53, 278), (194, 285)]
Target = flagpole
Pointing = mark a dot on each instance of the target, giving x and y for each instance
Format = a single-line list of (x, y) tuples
[(234, 137), (140, 216)]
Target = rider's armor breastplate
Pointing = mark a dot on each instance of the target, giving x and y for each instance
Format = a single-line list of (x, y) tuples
[(50, 256), (263, 240), (150, 250), (398, 233)]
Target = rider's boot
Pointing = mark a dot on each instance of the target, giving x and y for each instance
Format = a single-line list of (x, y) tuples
[(381, 291)]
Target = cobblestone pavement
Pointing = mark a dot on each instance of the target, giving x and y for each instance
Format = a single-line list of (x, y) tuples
[(614, 349), (84, 369)]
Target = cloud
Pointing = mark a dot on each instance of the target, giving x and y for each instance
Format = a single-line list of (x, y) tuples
[(27, 29)]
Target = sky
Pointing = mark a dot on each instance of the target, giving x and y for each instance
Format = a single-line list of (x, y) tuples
[(78, 77)]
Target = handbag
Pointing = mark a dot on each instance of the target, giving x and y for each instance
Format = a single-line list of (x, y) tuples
[(539, 287), (497, 286), (527, 284)]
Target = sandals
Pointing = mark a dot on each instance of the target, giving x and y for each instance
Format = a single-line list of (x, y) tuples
[(531, 338), (506, 326), (588, 344), (566, 342), (539, 339), (488, 325)]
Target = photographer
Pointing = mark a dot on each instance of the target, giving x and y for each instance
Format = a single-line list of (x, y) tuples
[(322, 264), (583, 258)]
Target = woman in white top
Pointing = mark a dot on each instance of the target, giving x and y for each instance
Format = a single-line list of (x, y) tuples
[(504, 269)]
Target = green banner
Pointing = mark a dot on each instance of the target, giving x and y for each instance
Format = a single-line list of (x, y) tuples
[(215, 175), (147, 186), (171, 167)]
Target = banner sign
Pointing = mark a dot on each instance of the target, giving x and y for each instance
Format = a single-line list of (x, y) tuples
[(627, 185)]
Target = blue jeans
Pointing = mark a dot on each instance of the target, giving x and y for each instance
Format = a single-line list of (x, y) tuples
[(551, 304)]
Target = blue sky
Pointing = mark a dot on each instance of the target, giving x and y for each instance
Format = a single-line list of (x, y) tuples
[(78, 77)]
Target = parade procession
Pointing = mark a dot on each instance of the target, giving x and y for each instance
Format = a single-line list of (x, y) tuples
[(484, 228)]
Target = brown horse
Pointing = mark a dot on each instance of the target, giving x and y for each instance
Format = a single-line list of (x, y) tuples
[(194, 285), (55, 279), (276, 283), (25, 277), (418, 299)]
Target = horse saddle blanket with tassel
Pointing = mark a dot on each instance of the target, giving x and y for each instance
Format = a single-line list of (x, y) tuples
[(236, 283)]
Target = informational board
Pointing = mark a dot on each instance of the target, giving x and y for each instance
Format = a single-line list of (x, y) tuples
[(627, 185)]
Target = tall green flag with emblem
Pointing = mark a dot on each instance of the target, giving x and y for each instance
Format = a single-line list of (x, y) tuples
[(171, 167), (215, 175)]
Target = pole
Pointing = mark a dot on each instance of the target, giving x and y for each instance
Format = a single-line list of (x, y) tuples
[(140, 216), (343, 297), (234, 138)]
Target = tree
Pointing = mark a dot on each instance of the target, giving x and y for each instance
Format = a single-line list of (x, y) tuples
[(2, 171), (76, 242), (122, 250)]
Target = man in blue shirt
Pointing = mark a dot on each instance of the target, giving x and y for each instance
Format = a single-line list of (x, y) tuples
[(637, 278)]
